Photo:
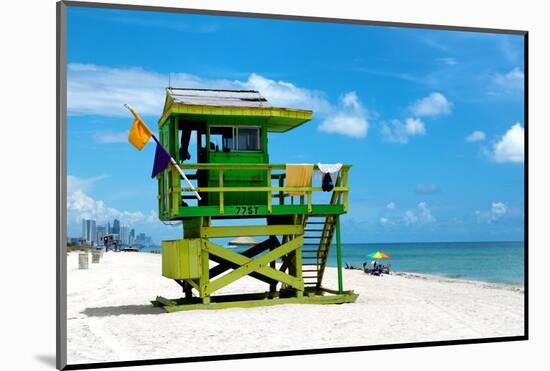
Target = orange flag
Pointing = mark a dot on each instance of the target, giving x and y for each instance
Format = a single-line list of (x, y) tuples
[(139, 134)]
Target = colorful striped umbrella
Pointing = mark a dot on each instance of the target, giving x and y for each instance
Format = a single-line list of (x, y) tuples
[(378, 255)]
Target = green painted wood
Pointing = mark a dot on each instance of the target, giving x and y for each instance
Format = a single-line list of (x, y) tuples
[(339, 256), (193, 284), (308, 299), (256, 211), (243, 261), (256, 265), (277, 119), (253, 230), (166, 302), (181, 259)]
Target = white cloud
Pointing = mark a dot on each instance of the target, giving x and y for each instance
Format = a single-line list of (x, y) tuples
[(425, 214), (107, 137), (385, 221), (410, 217), (391, 205), (510, 148), (435, 104), (476, 136), (82, 206), (399, 132), (84, 184), (422, 215), (349, 118), (286, 94), (508, 83), (498, 209), (102, 90)]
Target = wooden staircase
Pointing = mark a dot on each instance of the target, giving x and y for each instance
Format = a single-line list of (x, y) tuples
[(318, 236)]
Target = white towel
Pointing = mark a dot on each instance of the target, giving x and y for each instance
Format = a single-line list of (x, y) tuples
[(331, 169)]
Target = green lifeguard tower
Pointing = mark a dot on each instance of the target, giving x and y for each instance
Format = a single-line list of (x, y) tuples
[(228, 132)]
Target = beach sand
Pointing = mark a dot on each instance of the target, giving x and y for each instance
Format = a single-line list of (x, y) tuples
[(110, 317)]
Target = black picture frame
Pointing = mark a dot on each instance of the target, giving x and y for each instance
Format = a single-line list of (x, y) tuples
[(61, 189)]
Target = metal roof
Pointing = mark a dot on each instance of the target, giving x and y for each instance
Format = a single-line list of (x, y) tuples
[(219, 98), (231, 106)]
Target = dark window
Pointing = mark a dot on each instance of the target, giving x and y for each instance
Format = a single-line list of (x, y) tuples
[(248, 139), (232, 139)]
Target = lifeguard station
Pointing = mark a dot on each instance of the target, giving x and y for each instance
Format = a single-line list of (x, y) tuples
[(227, 131)]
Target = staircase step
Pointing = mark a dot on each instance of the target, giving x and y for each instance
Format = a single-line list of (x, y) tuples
[(313, 230), (318, 237)]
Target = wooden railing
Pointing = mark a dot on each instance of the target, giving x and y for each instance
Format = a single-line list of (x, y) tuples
[(273, 172)]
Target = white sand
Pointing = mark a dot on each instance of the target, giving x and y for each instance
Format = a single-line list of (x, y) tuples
[(110, 317)]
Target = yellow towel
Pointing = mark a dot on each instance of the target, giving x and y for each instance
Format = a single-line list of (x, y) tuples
[(298, 175)]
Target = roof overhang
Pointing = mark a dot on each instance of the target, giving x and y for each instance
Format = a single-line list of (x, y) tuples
[(278, 120)]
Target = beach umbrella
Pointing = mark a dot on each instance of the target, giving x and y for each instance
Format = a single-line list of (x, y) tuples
[(243, 241), (378, 255)]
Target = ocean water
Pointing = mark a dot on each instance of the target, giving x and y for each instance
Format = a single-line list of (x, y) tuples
[(496, 262)]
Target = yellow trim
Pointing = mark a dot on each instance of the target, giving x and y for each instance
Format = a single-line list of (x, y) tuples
[(192, 109)]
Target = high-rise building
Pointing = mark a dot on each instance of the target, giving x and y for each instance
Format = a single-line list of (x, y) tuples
[(100, 231), (109, 227), (143, 240), (124, 234), (116, 227), (89, 232), (132, 237)]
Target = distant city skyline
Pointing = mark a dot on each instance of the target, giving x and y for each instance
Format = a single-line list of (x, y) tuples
[(93, 233)]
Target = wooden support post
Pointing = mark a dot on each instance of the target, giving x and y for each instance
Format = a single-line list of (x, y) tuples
[(281, 193), (269, 198), (272, 286), (205, 275), (339, 255), (346, 193), (298, 268), (176, 195)]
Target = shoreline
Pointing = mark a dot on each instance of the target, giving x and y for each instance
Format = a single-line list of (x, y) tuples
[(442, 278), (488, 284)]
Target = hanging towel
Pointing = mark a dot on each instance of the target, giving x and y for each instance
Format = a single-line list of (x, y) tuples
[(298, 175), (329, 174), (327, 185)]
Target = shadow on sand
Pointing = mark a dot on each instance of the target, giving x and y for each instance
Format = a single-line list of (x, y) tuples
[(121, 310)]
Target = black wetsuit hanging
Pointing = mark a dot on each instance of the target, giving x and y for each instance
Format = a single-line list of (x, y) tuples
[(184, 149), (327, 184)]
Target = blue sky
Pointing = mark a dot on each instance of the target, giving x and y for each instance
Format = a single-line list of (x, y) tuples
[(431, 120)]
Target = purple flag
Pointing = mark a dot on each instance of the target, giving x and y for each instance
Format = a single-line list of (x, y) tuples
[(162, 159)]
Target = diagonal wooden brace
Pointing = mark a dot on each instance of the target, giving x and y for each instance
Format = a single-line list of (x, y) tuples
[(247, 265), (225, 265)]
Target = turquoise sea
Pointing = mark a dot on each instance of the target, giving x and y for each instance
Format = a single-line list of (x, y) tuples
[(496, 262)]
